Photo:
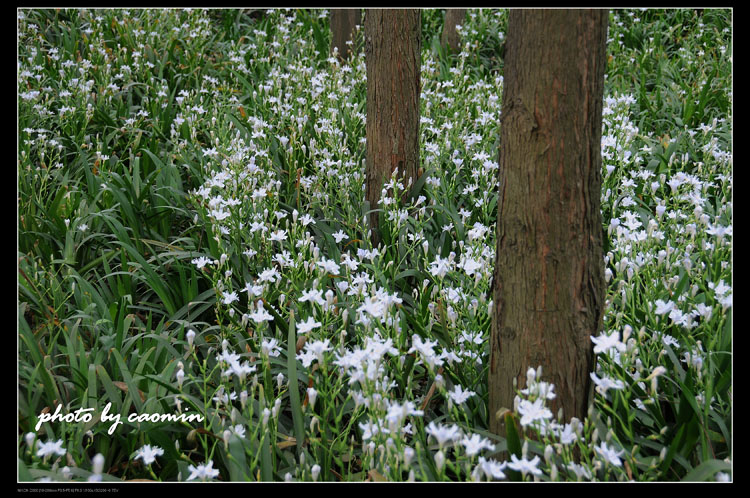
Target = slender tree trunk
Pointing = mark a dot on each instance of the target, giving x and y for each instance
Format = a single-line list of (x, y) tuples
[(393, 58), (343, 22), (549, 280), (450, 38)]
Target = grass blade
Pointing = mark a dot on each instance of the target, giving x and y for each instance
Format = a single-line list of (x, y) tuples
[(294, 398)]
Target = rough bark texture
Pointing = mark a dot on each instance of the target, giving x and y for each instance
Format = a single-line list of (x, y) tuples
[(343, 22), (549, 270), (450, 38), (393, 58)]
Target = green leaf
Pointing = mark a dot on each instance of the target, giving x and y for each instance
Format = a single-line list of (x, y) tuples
[(294, 399), (238, 469), (125, 373), (706, 470), (676, 442), (91, 390), (150, 276), (513, 439), (266, 461), (23, 472), (112, 392)]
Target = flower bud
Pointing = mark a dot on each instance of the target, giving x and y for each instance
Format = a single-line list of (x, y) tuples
[(408, 455), (312, 394), (97, 464), (190, 337), (439, 460)]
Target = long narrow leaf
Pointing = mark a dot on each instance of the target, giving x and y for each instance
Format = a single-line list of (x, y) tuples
[(294, 398)]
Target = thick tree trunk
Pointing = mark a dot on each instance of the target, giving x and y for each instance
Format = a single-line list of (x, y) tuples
[(549, 283), (450, 38), (343, 22), (393, 58)]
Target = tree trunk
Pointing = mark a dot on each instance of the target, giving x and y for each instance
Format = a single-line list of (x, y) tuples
[(343, 22), (393, 58), (549, 281), (450, 38)]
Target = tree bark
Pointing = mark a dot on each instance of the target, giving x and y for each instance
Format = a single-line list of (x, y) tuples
[(393, 58), (450, 38), (343, 22), (549, 281)]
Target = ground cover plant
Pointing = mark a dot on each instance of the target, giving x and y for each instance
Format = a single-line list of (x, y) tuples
[(193, 239)]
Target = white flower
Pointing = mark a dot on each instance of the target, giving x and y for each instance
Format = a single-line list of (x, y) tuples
[(609, 454), (606, 342), (269, 275), (531, 412), (370, 429), (605, 383), (201, 262), (148, 454), (261, 315), (668, 340), (443, 433), (306, 357), (339, 236), (243, 370), (567, 435), (492, 468), (398, 412), (525, 466), (278, 236), (475, 444), (373, 306), (579, 470), (230, 297), (663, 308), (329, 266), (425, 350), (306, 219), (270, 347), (470, 266), (458, 395), (313, 296), (317, 348), (203, 471), (440, 267), (307, 326), (49, 448)]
